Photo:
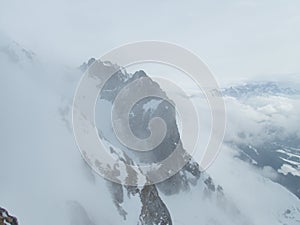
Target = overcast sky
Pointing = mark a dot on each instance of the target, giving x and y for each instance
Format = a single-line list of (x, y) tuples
[(236, 38)]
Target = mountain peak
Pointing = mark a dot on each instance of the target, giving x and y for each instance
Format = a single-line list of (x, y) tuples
[(13, 52), (263, 88)]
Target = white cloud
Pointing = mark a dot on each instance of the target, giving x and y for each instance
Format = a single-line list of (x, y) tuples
[(261, 119), (236, 38)]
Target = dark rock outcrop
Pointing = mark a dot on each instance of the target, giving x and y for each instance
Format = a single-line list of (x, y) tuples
[(154, 211), (6, 219)]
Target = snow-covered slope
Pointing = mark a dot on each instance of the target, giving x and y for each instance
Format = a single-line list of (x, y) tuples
[(46, 181), (267, 135), (264, 201)]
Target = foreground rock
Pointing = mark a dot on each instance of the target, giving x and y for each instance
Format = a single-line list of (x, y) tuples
[(6, 219)]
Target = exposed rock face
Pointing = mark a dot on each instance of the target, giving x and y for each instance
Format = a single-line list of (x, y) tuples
[(153, 211), (141, 114), (118, 197), (85, 65), (6, 219)]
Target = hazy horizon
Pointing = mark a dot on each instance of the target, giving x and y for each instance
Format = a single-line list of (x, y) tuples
[(239, 39)]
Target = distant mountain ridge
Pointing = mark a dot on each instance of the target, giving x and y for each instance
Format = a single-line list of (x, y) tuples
[(264, 88), (14, 52)]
